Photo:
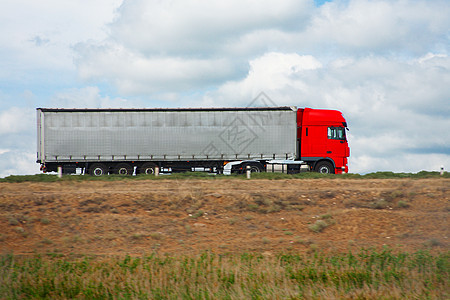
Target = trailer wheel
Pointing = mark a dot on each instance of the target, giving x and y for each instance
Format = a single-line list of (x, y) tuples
[(324, 167), (123, 169), (147, 169), (98, 170)]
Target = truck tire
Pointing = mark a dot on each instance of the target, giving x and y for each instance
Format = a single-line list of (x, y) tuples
[(254, 168), (98, 170), (147, 169), (123, 169), (324, 167)]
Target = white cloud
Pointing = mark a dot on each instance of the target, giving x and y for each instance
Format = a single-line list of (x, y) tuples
[(202, 27), (40, 34), (16, 119), (88, 97), (172, 46), (3, 151), (176, 46), (133, 73), (18, 163), (271, 72), (380, 26), (17, 141)]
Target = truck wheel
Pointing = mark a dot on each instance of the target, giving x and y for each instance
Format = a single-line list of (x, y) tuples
[(147, 169), (254, 168), (123, 169), (98, 170), (324, 167)]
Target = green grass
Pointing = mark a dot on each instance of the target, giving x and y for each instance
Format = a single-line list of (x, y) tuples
[(203, 175), (369, 274)]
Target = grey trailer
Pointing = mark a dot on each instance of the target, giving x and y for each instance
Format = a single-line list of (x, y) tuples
[(124, 141)]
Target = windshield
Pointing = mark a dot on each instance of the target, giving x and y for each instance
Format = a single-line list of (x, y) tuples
[(336, 133)]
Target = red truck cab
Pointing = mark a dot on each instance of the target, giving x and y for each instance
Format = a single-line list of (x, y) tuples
[(322, 141)]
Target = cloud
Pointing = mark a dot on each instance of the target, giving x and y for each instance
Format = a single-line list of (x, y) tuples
[(380, 26), (39, 34), (16, 119), (87, 97), (271, 72), (180, 46), (133, 73), (201, 28), (18, 144), (18, 163)]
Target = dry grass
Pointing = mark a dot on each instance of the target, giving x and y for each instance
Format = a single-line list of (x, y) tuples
[(369, 274), (132, 216)]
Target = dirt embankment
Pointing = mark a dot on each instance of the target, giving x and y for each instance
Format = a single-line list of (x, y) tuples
[(226, 215)]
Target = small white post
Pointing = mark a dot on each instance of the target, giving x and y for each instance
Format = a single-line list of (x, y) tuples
[(442, 170), (156, 171), (59, 172), (248, 172)]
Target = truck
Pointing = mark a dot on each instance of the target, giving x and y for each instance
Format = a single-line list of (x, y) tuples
[(168, 140)]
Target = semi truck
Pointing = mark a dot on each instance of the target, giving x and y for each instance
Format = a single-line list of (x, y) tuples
[(167, 140)]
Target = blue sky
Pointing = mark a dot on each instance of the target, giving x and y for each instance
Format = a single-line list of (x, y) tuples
[(384, 64)]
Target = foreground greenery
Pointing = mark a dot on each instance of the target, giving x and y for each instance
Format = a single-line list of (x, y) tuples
[(203, 175), (369, 274)]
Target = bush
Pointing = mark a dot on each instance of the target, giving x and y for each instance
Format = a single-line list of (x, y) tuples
[(318, 226), (402, 204)]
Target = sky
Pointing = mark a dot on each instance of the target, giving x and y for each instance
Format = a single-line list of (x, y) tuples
[(384, 64)]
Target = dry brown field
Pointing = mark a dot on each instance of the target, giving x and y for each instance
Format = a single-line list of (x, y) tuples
[(228, 215)]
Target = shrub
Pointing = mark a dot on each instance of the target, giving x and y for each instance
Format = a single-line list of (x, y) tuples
[(13, 221), (301, 241), (233, 220), (45, 221), (380, 204), (137, 236), (189, 229), (21, 231), (326, 217), (432, 243), (156, 235), (402, 204), (248, 217), (197, 214), (46, 241), (318, 226)]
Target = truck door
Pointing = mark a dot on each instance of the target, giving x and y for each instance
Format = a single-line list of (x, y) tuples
[(337, 145), (314, 141)]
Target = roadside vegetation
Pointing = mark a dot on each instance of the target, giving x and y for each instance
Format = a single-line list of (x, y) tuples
[(368, 274), (203, 175)]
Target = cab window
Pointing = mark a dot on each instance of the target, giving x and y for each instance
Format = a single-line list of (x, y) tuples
[(336, 133)]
